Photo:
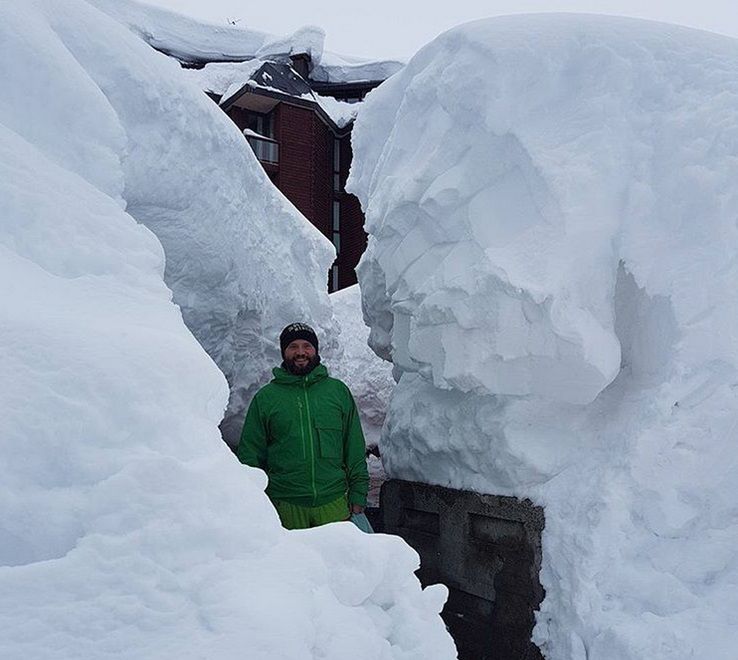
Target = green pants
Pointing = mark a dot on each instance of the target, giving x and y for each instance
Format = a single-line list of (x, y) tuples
[(302, 517)]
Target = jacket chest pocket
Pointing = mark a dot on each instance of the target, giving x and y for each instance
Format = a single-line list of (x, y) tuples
[(330, 439)]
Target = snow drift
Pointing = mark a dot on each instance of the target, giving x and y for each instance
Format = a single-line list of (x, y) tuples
[(127, 528), (551, 202)]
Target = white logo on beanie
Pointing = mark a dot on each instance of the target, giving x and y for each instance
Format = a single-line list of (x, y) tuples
[(297, 331), (298, 327)]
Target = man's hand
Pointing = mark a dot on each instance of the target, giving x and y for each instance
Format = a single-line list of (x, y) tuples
[(356, 508)]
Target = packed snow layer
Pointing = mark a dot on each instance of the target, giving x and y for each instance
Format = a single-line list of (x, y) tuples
[(127, 528), (369, 377), (552, 202)]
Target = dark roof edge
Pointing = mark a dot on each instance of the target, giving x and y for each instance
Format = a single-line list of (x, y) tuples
[(354, 85), (195, 62), (291, 100)]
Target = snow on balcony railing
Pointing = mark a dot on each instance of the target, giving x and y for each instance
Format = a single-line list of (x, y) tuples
[(266, 149)]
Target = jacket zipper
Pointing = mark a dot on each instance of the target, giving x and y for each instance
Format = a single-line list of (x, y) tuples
[(312, 443), (302, 430)]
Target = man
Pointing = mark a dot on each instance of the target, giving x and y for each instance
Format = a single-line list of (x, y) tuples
[(303, 430)]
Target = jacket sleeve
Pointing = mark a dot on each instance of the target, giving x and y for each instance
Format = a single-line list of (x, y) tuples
[(252, 448), (354, 448)]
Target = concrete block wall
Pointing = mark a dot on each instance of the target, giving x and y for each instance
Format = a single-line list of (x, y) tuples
[(487, 550)]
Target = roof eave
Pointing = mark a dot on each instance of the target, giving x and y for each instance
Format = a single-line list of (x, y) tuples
[(291, 100)]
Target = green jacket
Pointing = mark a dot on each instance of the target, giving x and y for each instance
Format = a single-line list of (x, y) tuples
[(305, 433)]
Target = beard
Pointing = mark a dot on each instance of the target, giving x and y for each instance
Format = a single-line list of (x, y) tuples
[(296, 370)]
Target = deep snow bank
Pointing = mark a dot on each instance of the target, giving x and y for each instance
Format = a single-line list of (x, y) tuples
[(193, 180), (127, 528), (551, 203)]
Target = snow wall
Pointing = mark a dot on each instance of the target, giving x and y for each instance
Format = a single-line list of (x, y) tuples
[(368, 377), (189, 177), (208, 216), (552, 202), (127, 527)]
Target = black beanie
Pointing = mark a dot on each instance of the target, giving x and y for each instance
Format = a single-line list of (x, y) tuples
[(297, 331)]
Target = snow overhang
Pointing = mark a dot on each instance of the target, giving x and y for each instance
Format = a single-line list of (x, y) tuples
[(355, 89)]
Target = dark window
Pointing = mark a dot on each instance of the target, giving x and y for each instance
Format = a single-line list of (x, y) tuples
[(261, 124), (337, 165), (336, 239), (267, 151), (259, 132), (337, 225), (336, 216)]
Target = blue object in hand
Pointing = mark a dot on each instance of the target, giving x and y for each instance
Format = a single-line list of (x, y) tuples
[(362, 522)]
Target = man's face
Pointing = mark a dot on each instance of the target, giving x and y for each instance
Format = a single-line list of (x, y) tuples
[(299, 357)]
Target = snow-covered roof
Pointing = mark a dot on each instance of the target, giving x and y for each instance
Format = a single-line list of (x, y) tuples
[(334, 68), (341, 112), (194, 41), (216, 78), (191, 40), (231, 79), (281, 78)]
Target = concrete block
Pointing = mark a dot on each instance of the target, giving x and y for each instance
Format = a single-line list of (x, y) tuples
[(487, 550)]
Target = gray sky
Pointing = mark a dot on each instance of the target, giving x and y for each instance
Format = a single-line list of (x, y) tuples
[(398, 28)]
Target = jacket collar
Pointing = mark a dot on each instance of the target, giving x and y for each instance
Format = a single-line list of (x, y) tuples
[(284, 377)]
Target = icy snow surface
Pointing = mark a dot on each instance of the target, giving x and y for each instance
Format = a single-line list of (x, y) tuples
[(552, 266), (127, 528)]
